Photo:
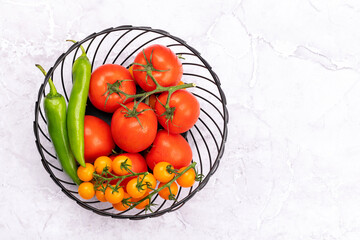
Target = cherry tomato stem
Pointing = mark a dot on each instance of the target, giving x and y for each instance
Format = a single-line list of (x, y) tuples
[(113, 177), (192, 165), (100, 179)]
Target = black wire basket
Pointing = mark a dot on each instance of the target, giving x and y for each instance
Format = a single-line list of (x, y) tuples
[(120, 45)]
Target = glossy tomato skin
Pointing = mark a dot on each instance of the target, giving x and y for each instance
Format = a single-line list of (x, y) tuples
[(161, 173), (138, 165), (117, 163), (171, 148), (110, 73), (114, 196), (86, 190), (97, 138), (127, 132), (165, 193), (133, 190), (86, 173), (162, 59), (187, 179), (102, 163), (187, 111)]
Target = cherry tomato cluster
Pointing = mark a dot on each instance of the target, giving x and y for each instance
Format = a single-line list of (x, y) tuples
[(114, 181), (150, 108)]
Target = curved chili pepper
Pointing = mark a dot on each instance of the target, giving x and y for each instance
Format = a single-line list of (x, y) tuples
[(55, 112), (81, 72)]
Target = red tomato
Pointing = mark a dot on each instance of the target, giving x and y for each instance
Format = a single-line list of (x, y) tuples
[(127, 132), (162, 59), (138, 166), (97, 137), (110, 74), (183, 113), (171, 148)]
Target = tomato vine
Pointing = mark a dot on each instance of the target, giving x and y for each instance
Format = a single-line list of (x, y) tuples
[(148, 68), (102, 182)]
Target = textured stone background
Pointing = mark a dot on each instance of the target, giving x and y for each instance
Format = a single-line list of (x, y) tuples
[(290, 71)]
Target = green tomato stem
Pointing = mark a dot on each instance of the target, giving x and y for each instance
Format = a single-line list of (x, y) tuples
[(155, 191), (118, 177), (148, 68), (165, 185)]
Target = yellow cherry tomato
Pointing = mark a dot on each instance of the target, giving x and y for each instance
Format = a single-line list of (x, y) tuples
[(86, 190), (165, 193), (187, 179), (143, 204), (114, 196), (102, 162), (100, 195), (133, 190), (161, 173), (121, 206), (116, 165), (150, 182), (86, 173)]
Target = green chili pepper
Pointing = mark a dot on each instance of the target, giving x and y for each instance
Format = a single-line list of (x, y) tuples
[(55, 112), (81, 72)]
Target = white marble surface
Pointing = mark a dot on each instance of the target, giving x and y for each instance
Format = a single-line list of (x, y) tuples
[(290, 71)]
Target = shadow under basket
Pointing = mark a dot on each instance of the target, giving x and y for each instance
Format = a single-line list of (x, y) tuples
[(120, 45)]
